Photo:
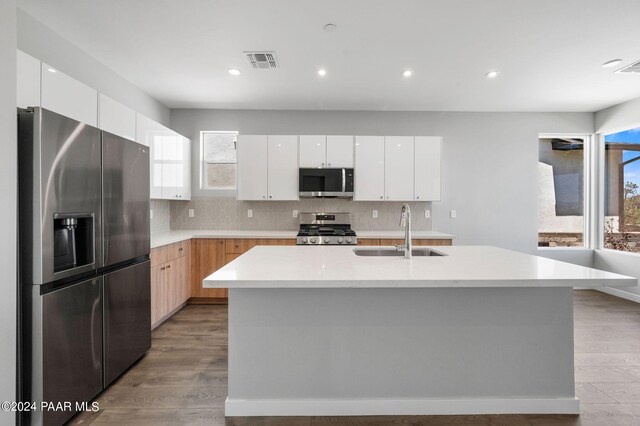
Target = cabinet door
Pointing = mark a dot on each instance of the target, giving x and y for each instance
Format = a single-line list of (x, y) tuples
[(185, 191), (313, 151), (340, 151), (207, 256), (116, 118), (171, 286), (183, 282), (28, 80), (158, 293), (252, 167), (172, 165), (282, 170), (68, 97), (369, 168), (155, 168), (428, 168), (398, 168)]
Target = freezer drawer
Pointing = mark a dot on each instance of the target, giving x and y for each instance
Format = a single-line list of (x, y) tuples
[(125, 199), (71, 347), (127, 318)]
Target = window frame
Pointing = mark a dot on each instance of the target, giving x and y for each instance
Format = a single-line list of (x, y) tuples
[(587, 187), (212, 192)]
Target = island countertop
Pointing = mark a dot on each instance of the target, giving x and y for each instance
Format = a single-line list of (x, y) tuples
[(463, 266)]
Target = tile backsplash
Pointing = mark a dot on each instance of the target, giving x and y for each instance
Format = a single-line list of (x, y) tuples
[(228, 213), (161, 221)]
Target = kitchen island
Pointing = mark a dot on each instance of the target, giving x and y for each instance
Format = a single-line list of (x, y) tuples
[(322, 331)]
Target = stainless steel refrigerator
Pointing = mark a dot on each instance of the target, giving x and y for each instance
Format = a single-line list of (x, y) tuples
[(84, 260)]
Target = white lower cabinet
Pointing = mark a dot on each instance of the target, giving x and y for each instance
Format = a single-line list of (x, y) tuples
[(267, 167), (428, 168), (369, 168), (398, 168)]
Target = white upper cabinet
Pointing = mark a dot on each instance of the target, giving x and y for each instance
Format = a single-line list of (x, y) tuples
[(369, 168), (428, 168), (67, 96), (313, 151), (282, 169), (398, 168), (28, 80), (267, 167), (340, 151), (170, 157), (252, 167), (326, 151), (116, 118)]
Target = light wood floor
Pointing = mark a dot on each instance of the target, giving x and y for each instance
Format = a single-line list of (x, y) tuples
[(183, 379)]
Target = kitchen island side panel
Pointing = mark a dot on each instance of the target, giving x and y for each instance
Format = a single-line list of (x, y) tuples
[(289, 347)]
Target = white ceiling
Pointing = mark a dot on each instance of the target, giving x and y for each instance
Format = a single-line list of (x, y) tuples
[(549, 52)]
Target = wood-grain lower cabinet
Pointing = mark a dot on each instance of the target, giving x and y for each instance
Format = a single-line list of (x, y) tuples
[(169, 280), (209, 254)]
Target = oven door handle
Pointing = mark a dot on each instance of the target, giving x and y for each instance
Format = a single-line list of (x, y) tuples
[(344, 180)]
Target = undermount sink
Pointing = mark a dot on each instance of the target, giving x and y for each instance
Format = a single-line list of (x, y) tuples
[(394, 252)]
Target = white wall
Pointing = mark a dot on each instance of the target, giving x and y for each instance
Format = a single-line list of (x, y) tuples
[(8, 193), (41, 42), (490, 159), (618, 117)]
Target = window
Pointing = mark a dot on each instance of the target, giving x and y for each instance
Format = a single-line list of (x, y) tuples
[(218, 155), (561, 191), (621, 191)]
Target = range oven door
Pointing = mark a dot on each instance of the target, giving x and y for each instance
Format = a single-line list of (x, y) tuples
[(325, 183)]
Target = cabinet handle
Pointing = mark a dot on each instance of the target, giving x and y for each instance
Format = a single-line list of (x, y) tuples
[(387, 197), (381, 197), (162, 269), (168, 266), (270, 196), (322, 164), (417, 197), (264, 196), (328, 164)]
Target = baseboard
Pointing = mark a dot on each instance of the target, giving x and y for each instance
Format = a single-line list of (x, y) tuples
[(399, 407), (208, 301), (620, 293)]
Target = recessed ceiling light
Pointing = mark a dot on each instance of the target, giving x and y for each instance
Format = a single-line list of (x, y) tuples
[(234, 71), (322, 72), (407, 73), (51, 69), (611, 63), (492, 74), (330, 27)]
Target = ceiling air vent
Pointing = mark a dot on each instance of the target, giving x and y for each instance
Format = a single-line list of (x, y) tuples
[(262, 60), (630, 69)]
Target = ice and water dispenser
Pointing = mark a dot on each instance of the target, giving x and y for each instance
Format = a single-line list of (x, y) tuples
[(73, 240)]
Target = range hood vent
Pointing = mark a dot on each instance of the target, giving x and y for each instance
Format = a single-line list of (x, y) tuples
[(265, 60), (630, 69)]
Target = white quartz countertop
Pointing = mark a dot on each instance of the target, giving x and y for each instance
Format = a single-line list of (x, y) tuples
[(463, 266), (170, 237)]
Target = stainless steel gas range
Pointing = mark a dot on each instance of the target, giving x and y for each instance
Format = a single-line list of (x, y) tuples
[(326, 229)]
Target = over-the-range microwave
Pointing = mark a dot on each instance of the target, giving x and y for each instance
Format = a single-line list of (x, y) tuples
[(325, 183)]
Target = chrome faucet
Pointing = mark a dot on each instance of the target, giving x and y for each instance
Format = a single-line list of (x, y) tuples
[(405, 221)]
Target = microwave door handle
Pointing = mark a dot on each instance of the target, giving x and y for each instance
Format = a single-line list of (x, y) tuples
[(344, 180)]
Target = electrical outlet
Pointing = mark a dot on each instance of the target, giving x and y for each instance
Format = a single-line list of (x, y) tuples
[(192, 213), (427, 214), (453, 214), (295, 213), (249, 213), (374, 214), (150, 213)]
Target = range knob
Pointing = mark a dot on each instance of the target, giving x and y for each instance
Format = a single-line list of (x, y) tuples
[(304, 240), (349, 240), (326, 240), (313, 240), (340, 240)]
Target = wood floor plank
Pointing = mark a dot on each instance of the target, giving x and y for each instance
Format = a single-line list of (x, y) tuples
[(183, 378)]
